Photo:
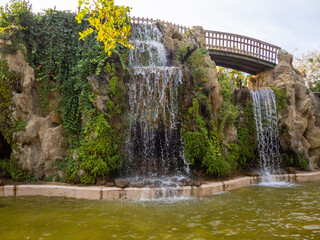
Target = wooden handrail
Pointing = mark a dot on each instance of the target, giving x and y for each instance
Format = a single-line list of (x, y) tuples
[(228, 42), (138, 20)]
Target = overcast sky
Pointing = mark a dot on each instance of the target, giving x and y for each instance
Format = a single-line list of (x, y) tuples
[(289, 24)]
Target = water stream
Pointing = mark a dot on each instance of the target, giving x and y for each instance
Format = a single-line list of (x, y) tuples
[(155, 146), (265, 115)]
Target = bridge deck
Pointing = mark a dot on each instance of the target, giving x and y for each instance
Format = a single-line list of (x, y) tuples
[(232, 50), (240, 62)]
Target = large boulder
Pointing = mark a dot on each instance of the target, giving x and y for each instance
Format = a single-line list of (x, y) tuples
[(40, 147)]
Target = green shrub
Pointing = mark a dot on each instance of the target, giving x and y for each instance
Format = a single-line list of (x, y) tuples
[(195, 146), (196, 59), (214, 162), (99, 150), (303, 162), (247, 138), (62, 64), (20, 126), (228, 112), (183, 51), (281, 98), (11, 168), (199, 75)]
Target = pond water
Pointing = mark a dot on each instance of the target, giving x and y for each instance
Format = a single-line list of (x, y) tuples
[(256, 212)]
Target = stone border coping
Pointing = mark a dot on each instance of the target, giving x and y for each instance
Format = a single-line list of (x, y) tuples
[(114, 193)]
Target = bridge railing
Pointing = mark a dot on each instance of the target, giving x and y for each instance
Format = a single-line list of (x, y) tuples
[(239, 44), (137, 20), (228, 42)]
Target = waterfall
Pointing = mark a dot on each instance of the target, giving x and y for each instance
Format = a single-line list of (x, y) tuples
[(265, 115), (154, 146)]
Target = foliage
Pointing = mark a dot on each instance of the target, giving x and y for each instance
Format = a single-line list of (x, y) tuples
[(14, 18), (247, 138), (12, 169), (297, 160), (199, 74), (7, 79), (9, 125), (62, 64), (309, 65), (228, 112), (98, 152), (183, 51), (281, 98), (303, 162), (202, 147), (109, 21), (237, 78), (196, 59), (194, 147), (213, 160), (203, 135), (20, 126)]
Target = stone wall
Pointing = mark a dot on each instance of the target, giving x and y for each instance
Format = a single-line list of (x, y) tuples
[(299, 121)]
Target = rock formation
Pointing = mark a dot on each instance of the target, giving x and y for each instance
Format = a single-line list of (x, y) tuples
[(174, 40), (40, 147), (299, 120)]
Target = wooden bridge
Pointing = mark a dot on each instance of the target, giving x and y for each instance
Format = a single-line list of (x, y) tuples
[(232, 50)]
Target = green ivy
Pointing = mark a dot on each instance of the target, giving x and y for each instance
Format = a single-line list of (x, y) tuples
[(199, 74), (98, 151), (196, 59), (214, 161), (195, 146), (62, 64), (228, 112), (247, 138), (202, 147)]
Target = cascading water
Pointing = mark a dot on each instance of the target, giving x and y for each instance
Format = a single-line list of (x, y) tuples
[(154, 146), (265, 115)]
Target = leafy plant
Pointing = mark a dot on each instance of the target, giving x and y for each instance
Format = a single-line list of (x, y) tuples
[(109, 21), (303, 162), (281, 98), (98, 152), (309, 66), (14, 18), (228, 112), (7, 79), (62, 64)]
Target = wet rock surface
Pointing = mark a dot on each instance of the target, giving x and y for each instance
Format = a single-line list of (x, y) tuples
[(121, 183)]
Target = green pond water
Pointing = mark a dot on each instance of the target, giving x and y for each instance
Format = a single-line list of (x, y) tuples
[(250, 213)]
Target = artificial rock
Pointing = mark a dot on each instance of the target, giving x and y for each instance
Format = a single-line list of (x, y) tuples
[(39, 148), (300, 129)]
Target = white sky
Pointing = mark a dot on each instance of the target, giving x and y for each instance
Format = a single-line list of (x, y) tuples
[(289, 24)]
